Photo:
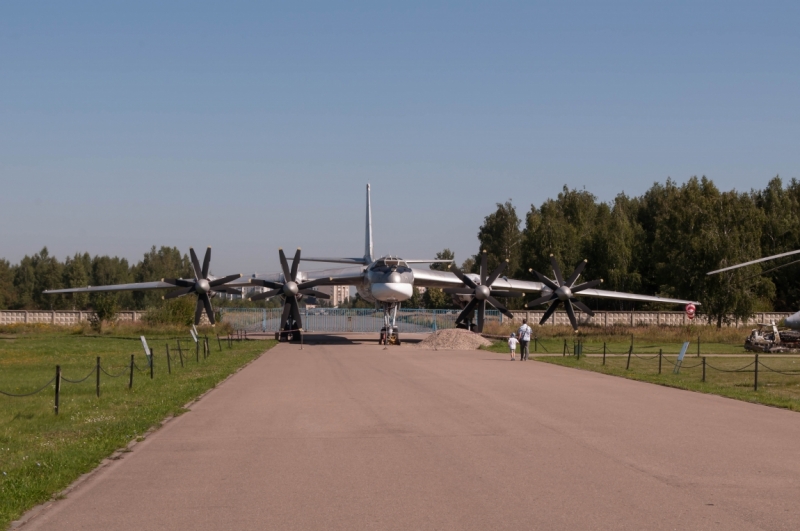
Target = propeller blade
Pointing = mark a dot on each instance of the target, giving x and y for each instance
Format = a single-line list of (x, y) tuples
[(209, 310), (546, 281), (571, 315), (224, 280), (287, 273), (195, 264), (295, 264), (484, 267), (206, 262), (587, 285), (556, 270), (575, 274), (178, 292), (500, 293), (499, 306), (266, 294), (770, 270), (318, 282), (314, 293), (496, 273), (198, 311), (459, 291), (582, 307), (178, 282), (541, 300), (298, 323), (463, 278), (467, 311), (265, 283), (549, 311), (287, 308), (481, 314)]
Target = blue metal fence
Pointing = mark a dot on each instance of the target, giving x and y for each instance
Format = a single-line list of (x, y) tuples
[(345, 319)]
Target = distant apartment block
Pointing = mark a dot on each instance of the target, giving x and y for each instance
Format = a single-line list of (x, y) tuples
[(339, 294)]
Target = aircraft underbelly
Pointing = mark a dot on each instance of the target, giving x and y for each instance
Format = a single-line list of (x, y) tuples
[(392, 291)]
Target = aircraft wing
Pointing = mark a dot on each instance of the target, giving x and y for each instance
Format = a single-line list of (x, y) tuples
[(430, 278), (344, 276), (136, 286)]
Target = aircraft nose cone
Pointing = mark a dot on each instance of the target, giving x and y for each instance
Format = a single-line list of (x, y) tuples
[(482, 293), (394, 278), (564, 293), (290, 288), (203, 286)]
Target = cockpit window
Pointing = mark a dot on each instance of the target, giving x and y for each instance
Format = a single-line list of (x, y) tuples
[(389, 263)]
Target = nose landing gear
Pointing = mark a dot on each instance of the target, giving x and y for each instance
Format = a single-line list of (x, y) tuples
[(389, 333)]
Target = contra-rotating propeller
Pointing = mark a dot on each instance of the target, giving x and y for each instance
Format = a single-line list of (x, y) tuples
[(202, 285), (290, 289), (481, 293), (562, 291)]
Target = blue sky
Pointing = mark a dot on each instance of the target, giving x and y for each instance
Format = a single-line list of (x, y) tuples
[(252, 125)]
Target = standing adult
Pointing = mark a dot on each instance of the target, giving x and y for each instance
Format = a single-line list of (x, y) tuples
[(524, 336)]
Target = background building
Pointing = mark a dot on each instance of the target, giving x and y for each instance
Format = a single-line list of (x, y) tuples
[(339, 294)]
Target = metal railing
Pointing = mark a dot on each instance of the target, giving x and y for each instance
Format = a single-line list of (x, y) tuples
[(409, 320)]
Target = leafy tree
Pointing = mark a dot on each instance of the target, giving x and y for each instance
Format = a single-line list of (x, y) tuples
[(500, 236), (107, 270), (76, 275), (7, 294), (415, 301), (166, 262), (25, 284), (436, 299)]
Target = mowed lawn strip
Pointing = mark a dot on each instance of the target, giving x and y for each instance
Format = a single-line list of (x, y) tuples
[(41, 453), (731, 375)]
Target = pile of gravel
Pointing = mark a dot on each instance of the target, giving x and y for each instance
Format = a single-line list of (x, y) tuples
[(453, 339)]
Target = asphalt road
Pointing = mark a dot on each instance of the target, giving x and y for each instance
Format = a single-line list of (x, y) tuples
[(350, 436)]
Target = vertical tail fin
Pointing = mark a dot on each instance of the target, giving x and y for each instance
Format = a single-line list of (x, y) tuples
[(368, 235)]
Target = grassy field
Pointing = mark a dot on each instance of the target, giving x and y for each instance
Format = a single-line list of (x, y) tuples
[(729, 368), (41, 453)]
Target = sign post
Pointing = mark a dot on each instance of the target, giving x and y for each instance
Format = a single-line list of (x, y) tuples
[(678, 363), (146, 350)]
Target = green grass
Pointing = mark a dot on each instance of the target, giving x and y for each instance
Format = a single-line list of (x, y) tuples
[(41, 453), (773, 389)]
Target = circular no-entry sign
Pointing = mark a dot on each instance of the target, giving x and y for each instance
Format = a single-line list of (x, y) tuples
[(690, 311)]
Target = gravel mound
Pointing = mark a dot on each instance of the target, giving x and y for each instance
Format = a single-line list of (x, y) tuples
[(453, 339)]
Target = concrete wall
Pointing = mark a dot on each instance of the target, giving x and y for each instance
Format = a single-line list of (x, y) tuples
[(66, 318)]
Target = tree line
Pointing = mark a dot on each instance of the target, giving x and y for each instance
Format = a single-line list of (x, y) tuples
[(662, 242)]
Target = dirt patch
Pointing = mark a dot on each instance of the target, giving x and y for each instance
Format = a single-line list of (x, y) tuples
[(453, 339)]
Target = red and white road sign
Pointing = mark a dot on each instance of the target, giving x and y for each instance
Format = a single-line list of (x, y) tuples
[(690, 311)]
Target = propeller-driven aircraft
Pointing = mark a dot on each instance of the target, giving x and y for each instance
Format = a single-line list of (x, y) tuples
[(388, 281), (793, 321)]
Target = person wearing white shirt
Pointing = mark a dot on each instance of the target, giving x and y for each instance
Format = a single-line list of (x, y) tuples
[(512, 345), (524, 335)]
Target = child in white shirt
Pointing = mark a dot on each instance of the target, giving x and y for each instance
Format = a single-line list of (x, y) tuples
[(512, 344)]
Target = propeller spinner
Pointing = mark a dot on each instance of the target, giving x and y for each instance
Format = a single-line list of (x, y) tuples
[(563, 292), (481, 293), (290, 289), (203, 286)]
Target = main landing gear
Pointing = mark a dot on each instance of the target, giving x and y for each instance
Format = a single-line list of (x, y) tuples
[(389, 333)]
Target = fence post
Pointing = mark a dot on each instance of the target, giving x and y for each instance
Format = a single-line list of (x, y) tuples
[(180, 353), (535, 344), (152, 362), (219, 343), (755, 376), (604, 353), (704, 369), (169, 362), (628, 365), (58, 386), (197, 350), (564, 352), (208, 347), (130, 380), (97, 369), (660, 351), (698, 345)]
